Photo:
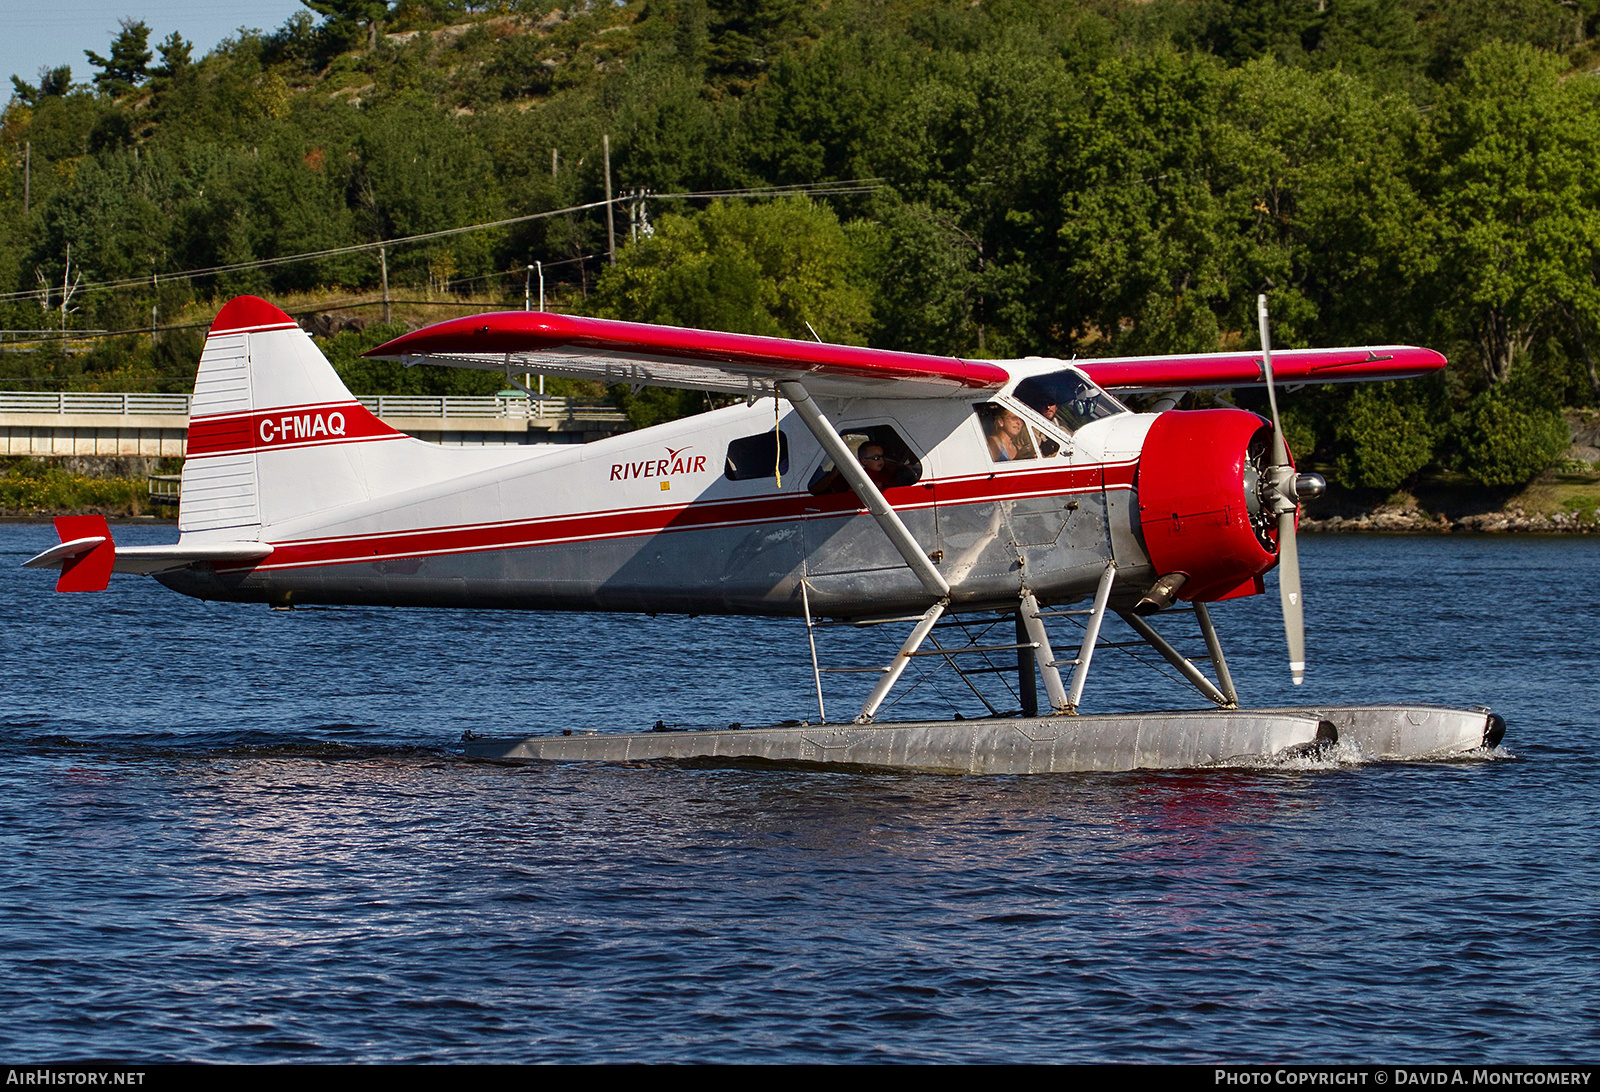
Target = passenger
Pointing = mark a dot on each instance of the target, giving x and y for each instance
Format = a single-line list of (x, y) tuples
[(1007, 438), (882, 471)]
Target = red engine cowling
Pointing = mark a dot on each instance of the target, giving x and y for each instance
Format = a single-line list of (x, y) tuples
[(1198, 504)]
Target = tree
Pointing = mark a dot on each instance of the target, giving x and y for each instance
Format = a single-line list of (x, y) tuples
[(128, 65), (1515, 198), (972, 149), (175, 59), (1146, 248), (342, 14), (53, 83), (769, 268), (780, 269), (1387, 436), (1508, 439)]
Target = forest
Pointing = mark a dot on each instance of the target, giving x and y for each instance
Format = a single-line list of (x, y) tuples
[(992, 179)]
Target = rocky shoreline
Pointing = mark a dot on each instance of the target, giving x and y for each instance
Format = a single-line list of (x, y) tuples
[(1407, 520)]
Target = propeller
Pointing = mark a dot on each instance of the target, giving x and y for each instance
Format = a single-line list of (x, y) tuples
[(1282, 489)]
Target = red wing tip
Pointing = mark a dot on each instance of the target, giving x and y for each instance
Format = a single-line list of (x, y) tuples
[(245, 313)]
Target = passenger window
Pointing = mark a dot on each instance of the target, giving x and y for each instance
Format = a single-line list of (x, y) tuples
[(764, 455), (887, 459), (1005, 433)]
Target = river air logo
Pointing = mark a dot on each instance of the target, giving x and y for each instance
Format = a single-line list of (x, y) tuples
[(675, 463)]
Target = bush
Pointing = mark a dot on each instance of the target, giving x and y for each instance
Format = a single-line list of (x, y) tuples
[(1385, 439), (1506, 440), (33, 486)]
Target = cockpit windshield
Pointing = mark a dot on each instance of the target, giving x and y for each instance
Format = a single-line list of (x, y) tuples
[(1067, 398)]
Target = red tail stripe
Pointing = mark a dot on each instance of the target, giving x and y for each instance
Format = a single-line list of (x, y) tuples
[(285, 426)]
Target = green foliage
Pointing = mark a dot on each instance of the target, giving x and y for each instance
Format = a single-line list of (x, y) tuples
[(128, 65), (53, 82), (175, 56), (34, 487), (1387, 435), (1514, 193), (1507, 439), (362, 376), (746, 268), (1060, 177)]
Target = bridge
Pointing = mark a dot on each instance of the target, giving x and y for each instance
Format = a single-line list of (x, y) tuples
[(62, 423)]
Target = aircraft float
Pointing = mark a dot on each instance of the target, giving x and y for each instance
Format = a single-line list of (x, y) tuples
[(848, 486)]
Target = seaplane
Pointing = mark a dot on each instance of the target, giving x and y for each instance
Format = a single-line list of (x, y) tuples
[(843, 486)]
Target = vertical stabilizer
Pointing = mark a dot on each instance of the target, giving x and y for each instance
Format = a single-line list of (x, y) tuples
[(273, 432)]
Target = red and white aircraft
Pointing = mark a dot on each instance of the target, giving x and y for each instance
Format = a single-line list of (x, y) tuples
[(850, 483)]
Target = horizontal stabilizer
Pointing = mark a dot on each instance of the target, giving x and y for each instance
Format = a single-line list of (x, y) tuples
[(57, 556), (670, 356), (160, 559), (87, 556)]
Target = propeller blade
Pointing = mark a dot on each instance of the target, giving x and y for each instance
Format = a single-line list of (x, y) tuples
[(1286, 501), (1294, 625), (1280, 446)]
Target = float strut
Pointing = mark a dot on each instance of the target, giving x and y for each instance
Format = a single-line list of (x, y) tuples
[(897, 666), (1044, 655), (1214, 648), (1027, 681), (1091, 634), (1174, 657)]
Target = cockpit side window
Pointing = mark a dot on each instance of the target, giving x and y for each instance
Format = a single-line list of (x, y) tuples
[(1067, 399), (1005, 432)]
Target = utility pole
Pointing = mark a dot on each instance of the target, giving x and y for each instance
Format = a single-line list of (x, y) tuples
[(27, 175), (155, 307), (383, 264), (552, 163), (611, 227), (527, 300)]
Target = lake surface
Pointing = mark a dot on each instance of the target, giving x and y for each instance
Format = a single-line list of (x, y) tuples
[(237, 835)]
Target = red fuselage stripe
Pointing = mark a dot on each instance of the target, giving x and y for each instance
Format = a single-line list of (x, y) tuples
[(705, 515)]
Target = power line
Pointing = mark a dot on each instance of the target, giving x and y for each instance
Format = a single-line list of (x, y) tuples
[(819, 189), (314, 255)]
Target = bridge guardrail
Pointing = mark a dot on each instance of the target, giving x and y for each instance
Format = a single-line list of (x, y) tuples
[(128, 404), (478, 407)]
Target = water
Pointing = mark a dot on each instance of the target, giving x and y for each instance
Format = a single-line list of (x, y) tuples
[(229, 834)]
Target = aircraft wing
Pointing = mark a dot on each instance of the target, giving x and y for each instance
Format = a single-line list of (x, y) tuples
[(1213, 371), (669, 356)]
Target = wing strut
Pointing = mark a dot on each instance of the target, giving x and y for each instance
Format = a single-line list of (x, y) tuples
[(845, 460)]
